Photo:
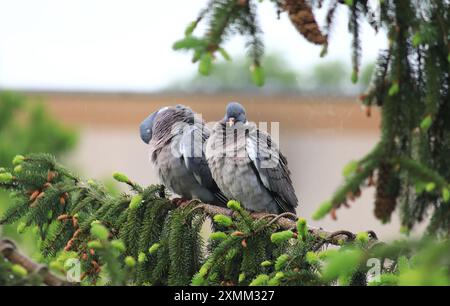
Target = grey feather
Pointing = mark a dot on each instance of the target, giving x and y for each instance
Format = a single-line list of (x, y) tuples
[(271, 166), (248, 166), (177, 143)]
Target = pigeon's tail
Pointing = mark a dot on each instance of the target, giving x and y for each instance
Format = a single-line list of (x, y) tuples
[(221, 199), (283, 206)]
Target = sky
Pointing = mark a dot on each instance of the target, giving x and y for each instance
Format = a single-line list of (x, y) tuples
[(126, 45)]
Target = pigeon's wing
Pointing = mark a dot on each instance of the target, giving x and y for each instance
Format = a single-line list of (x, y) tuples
[(192, 146), (271, 167)]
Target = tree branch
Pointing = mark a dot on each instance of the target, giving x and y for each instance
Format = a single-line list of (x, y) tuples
[(9, 250), (285, 223)]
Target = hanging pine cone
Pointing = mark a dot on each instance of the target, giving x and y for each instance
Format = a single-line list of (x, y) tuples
[(384, 206), (386, 193), (301, 15)]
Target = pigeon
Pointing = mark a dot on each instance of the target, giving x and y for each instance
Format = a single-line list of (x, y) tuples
[(177, 138), (247, 165)]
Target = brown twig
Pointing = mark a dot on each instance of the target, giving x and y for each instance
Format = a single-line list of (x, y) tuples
[(283, 215), (9, 250)]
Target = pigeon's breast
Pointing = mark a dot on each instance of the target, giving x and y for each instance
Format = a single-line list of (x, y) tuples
[(244, 185), (233, 172)]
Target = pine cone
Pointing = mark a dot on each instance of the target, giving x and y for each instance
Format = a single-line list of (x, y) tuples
[(301, 15), (384, 206), (386, 193)]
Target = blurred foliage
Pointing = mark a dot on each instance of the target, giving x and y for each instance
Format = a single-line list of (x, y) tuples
[(329, 75), (422, 262), (366, 75), (26, 126), (332, 78), (235, 76)]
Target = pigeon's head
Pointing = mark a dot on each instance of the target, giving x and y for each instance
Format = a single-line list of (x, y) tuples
[(235, 113), (146, 126)]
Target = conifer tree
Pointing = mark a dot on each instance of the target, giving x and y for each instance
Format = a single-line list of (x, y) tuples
[(27, 126), (410, 165), (143, 238)]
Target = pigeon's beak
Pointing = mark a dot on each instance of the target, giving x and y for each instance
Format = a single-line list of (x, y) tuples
[(230, 121)]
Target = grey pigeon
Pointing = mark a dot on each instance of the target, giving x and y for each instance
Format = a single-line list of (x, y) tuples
[(177, 140), (247, 165)]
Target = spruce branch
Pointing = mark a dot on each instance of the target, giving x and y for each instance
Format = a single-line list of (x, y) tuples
[(9, 250), (422, 172), (283, 223), (354, 28), (145, 238)]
